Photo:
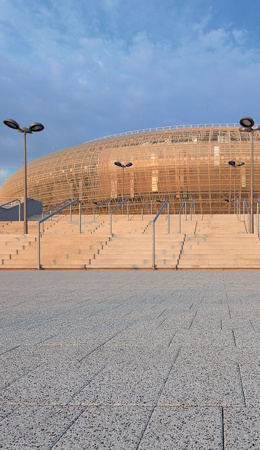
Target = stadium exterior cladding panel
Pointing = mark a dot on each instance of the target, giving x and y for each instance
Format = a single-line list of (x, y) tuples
[(175, 163)]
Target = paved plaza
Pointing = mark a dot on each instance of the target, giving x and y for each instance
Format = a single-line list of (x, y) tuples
[(130, 360)]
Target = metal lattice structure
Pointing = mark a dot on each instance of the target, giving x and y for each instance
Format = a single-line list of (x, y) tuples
[(175, 163)]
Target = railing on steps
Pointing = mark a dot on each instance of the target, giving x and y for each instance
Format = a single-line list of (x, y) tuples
[(257, 212), (192, 208), (238, 209), (184, 207), (150, 200), (166, 202), (97, 205), (246, 209), (41, 221), (57, 206), (114, 210)]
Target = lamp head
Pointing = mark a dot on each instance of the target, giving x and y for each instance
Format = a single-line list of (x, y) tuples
[(247, 122), (35, 127), (118, 164), (129, 164), (12, 124), (232, 163)]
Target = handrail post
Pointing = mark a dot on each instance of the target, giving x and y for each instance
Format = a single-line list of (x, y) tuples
[(192, 206), (179, 222), (19, 211), (151, 206), (127, 205), (111, 233), (108, 206), (153, 264), (168, 211), (257, 212), (185, 208), (39, 246), (71, 213), (79, 217)]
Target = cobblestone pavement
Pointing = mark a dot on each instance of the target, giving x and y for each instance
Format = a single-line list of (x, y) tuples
[(130, 360)]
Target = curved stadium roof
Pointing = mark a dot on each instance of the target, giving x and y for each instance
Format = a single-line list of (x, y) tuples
[(173, 162)]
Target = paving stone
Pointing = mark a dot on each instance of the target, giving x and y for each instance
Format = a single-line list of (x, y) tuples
[(129, 360), (211, 384), (183, 428), (103, 428), (33, 427), (242, 428)]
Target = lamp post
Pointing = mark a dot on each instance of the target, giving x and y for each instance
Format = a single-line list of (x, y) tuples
[(33, 128), (247, 125), (123, 166), (235, 165)]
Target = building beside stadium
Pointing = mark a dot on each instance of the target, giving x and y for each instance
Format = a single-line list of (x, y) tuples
[(171, 162)]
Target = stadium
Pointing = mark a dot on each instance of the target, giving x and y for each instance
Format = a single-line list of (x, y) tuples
[(189, 161)]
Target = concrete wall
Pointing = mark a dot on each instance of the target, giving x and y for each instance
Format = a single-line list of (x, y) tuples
[(34, 207)]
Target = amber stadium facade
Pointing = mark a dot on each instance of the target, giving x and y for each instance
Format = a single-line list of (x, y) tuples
[(190, 161)]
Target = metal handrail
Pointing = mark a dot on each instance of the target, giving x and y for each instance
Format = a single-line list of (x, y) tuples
[(238, 209), (180, 212), (48, 217), (257, 209), (56, 206), (100, 204), (11, 201), (245, 208), (114, 210), (166, 202), (150, 200), (192, 207)]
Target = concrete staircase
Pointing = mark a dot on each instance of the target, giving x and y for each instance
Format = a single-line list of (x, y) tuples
[(220, 242), (62, 246), (212, 241), (131, 246)]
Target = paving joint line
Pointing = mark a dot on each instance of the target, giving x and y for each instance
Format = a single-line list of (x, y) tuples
[(251, 323), (161, 322), (193, 320), (161, 313), (241, 384), (234, 337), (66, 429), (223, 428), (123, 405), (158, 398), (86, 384), (10, 350), (14, 380), (104, 343)]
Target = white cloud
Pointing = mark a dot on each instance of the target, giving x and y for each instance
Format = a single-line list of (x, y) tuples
[(109, 66)]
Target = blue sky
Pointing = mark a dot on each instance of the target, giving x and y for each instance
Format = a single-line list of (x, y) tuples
[(91, 68)]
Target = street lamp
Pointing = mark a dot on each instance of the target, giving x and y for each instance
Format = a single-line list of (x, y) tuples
[(247, 125), (235, 165), (33, 128), (123, 166)]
